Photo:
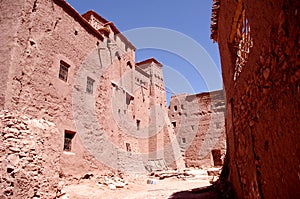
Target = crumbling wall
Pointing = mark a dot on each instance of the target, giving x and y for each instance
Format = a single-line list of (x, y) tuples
[(29, 157), (262, 118), (199, 124)]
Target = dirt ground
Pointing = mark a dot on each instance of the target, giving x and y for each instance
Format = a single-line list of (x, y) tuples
[(137, 187)]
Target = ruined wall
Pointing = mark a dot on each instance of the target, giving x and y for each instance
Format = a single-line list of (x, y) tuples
[(29, 157), (199, 125), (262, 118)]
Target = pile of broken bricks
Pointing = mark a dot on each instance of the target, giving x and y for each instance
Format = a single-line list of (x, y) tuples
[(113, 182), (211, 174), (169, 174)]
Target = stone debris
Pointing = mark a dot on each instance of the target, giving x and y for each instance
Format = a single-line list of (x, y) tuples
[(187, 175), (29, 164), (111, 181), (214, 171), (169, 174), (182, 175)]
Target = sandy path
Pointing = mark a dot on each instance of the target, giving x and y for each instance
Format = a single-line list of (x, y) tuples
[(137, 189)]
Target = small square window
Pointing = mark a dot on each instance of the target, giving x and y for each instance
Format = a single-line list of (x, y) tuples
[(138, 123), (63, 71), (89, 85), (129, 64), (175, 108), (117, 54), (68, 137), (183, 140), (128, 99), (128, 147), (174, 124)]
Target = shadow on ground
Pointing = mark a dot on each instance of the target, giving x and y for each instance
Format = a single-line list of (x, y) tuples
[(203, 192)]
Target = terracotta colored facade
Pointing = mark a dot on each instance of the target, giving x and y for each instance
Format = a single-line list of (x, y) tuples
[(199, 124), (261, 75), (79, 72)]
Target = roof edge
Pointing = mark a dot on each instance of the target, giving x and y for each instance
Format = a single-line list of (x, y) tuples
[(111, 24), (149, 61), (82, 21), (87, 14)]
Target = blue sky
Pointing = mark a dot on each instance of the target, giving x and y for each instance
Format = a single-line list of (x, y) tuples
[(179, 38)]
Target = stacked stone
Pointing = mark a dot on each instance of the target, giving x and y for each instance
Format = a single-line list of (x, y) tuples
[(26, 169)]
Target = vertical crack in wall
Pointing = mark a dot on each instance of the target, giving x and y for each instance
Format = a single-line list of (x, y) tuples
[(34, 6)]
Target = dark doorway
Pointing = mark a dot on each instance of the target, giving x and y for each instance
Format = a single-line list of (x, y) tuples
[(216, 153)]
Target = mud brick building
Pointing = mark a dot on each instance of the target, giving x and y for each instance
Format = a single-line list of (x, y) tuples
[(79, 72), (199, 124)]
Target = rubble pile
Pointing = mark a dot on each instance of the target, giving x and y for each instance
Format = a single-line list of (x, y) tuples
[(112, 181), (211, 174), (29, 157), (169, 174)]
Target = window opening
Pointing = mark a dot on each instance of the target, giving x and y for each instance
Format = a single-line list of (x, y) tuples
[(174, 124), (68, 137), (138, 123), (63, 71), (128, 147), (216, 153), (89, 85), (243, 43), (175, 108), (118, 55), (128, 99), (129, 64)]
